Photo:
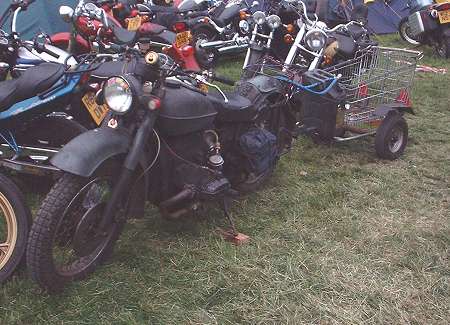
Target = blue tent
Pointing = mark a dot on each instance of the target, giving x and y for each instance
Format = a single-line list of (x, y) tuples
[(41, 15), (383, 18)]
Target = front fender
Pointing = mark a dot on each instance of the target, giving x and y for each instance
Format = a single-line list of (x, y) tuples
[(85, 153), (64, 38)]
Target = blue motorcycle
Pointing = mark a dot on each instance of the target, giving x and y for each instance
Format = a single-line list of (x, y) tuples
[(34, 125)]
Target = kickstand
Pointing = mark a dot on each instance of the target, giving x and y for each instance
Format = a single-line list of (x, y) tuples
[(231, 235)]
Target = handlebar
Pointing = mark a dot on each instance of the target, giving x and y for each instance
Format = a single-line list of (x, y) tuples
[(223, 80)]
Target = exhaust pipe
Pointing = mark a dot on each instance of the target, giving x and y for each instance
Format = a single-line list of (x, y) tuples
[(233, 48)]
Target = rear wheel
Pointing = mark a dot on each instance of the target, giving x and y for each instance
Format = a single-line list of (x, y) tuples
[(15, 221), (206, 58), (66, 242), (404, 30), (391, 137)]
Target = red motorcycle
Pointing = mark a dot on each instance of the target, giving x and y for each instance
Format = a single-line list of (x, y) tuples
[(102, 29)]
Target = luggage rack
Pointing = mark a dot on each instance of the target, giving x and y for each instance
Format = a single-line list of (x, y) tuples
[(376, 77)]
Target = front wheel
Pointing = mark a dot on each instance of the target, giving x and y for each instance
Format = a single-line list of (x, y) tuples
[(15, 221), (404, 30), (391, 137), (66, 242)]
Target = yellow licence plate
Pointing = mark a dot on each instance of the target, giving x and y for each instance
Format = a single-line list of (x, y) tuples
[(134, 23), (98, 112), (182, 39), (444, 16)]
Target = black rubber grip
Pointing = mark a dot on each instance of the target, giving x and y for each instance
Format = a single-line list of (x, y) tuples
[(50, 52)]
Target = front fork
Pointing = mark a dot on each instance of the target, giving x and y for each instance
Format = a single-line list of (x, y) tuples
[(128, 168)]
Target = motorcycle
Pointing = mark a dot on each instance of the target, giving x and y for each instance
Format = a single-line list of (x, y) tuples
[(429, 24), (16, 55), (96, 29), (30, 133), (168, 142)]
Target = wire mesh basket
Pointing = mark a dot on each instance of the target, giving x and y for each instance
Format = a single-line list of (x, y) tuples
[(376, 76)]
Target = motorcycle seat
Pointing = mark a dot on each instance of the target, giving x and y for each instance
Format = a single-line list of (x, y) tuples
[(33, 81), (151, 29), (237, 109), (124, 36), (356, 31)]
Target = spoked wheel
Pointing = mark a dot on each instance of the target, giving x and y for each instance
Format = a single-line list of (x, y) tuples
[(205, 57), (15, 221), (66, 241), (391, 137), (404, 30)]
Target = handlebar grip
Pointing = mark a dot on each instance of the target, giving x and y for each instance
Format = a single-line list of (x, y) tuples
[(50, 52), (224, 80)]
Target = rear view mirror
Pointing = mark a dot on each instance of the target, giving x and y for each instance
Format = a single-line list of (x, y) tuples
[(66, 13)]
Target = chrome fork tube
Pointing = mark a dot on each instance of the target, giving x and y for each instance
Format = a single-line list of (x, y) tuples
[(252, 40)]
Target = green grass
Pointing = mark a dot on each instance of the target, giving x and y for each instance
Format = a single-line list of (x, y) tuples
[(337, 237)]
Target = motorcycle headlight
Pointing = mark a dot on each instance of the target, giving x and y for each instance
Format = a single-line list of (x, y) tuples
[(315, 39), (118, 95), (244, 27), (259, 17), (273, 21)]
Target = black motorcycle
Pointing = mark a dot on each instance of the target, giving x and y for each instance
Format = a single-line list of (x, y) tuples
[(169, 142), (427, 24)]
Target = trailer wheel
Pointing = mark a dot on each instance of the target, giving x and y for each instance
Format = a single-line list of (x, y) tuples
[(391, 137)]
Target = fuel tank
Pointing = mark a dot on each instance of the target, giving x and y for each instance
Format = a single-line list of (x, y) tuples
[(184, 111)]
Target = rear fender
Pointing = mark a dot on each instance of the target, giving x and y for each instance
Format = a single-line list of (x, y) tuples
[(385, 109)]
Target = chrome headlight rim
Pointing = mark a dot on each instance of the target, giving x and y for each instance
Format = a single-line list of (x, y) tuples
[(273, 21), (244, 27), (259, 17), (312, 37), (111, 99)]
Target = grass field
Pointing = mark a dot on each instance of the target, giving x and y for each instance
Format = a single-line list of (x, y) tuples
[(337, 237)]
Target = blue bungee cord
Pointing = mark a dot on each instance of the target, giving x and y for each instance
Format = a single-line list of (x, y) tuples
[(310, 87)]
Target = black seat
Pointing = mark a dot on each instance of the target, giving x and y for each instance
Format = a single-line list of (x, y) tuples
[(237, 109), (356, 31), (33, 81), (124, 36)]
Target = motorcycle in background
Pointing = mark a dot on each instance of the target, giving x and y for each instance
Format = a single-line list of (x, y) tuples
[(428, 24), (95, 29), (16, 55)]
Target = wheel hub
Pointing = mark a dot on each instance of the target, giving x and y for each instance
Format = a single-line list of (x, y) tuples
[(88, 237)]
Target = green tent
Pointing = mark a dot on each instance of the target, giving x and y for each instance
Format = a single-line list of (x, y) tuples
[(40, 15)]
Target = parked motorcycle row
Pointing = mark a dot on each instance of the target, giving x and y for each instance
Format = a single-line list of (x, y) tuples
[(122, 111)]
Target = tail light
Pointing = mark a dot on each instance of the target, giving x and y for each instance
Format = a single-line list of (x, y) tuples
[(288, 39), (180, 27), (403, 97), (363, 90), (187, 50), (154, 103)]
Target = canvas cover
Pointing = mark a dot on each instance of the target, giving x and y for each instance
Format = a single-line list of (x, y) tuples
[(41, 15)]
